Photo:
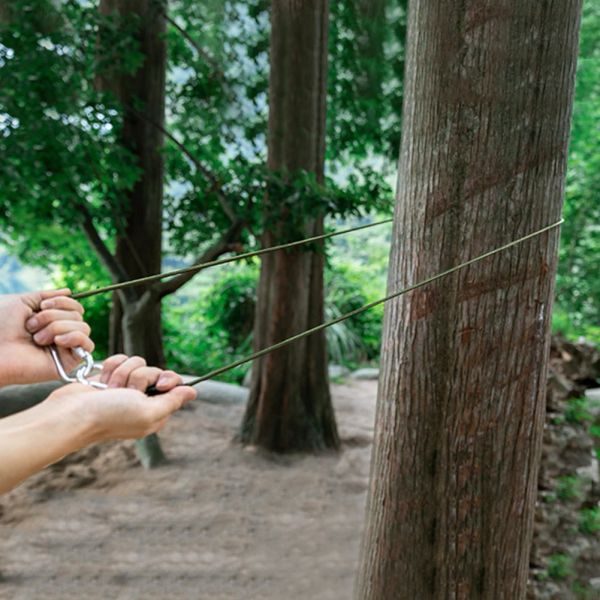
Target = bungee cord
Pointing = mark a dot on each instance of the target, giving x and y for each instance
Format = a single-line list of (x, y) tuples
[(82, 374), (222, 261)]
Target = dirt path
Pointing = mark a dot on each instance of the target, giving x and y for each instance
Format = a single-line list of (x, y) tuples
[(218, 523)]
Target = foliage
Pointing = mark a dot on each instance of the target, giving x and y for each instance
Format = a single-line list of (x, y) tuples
[(578, 283), (57, 132), (60, 132), (367, 45), (589, 520), (357, 339), (569, 488), (219, 320), (218, 324), (560, 566), (58, 135), (578, 411)]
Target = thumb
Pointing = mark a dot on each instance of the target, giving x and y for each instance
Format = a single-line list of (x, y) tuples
[(164, 405)]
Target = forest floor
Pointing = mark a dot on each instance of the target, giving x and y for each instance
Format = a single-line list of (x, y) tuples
[(219, 522)]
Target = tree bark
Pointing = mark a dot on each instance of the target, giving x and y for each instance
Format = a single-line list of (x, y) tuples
[(489, 89), (139, 243), (290, 406)]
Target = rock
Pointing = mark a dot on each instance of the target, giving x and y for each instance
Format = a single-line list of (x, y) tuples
[(366, 374), (216, 392), (338, 371), (590, 472), (16, 398), (593, 395), (595, 583)]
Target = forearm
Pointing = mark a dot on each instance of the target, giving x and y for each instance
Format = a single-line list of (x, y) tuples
[(36, 438), (17, 367), (17, 398)]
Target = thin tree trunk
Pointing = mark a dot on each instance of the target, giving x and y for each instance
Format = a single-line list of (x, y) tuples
[(489, 90), (290, 405)]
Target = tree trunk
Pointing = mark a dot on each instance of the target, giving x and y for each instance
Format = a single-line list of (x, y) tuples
[(460, 415), (142, 94), (290, 406), (139, 243)]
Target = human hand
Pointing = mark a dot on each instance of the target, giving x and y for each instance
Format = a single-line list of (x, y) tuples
[(35, 320), (117, 413), (121, 371)]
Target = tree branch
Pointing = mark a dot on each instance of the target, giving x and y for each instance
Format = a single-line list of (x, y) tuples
[(217, 71), (115, 268), (223, 245), (214, 181)]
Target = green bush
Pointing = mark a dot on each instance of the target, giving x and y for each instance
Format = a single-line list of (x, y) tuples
[(569, 488), (560, 566), (202, 333), (589, 520), (213, 329), (359, 338), (577, 411)]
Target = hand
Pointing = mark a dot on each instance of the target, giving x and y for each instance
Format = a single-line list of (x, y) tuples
[(118, 414), (121, 371), (51, 318)]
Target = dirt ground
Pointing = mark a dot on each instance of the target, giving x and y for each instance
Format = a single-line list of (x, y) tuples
[(218, 523)]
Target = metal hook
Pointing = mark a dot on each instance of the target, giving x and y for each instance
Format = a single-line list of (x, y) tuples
[(82, 371)]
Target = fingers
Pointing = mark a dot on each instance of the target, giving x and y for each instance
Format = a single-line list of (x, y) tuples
[(40, 320), (141, 379), (59, 321), (54, 293), (122, 371), (119, 377), (167, 381), (109, 366), (55, 330), (75, 339), (62, 303)]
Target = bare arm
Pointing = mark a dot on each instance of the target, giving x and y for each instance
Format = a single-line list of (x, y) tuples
[(38, 437), (76, 416)]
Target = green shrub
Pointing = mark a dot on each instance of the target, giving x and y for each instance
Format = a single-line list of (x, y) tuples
[(359, 338), (577, 411), (589, 520), (560, 566), (569, 488)]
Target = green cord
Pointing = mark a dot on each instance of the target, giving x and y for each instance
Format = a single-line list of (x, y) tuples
[(222, 261), (369, 306)]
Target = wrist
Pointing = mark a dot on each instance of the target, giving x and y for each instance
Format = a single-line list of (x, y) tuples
[(69, 414)]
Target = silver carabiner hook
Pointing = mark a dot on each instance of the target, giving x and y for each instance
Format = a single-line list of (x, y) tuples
[(82, 372)]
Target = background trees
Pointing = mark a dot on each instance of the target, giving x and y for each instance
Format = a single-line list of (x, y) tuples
[(60, 137)]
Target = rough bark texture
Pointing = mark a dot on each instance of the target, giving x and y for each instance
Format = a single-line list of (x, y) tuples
[(290, 406), (139, 244), (489, 89)]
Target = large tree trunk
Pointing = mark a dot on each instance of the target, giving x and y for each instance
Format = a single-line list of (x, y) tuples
[(489, 90), (290, 406), (139, 244)]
